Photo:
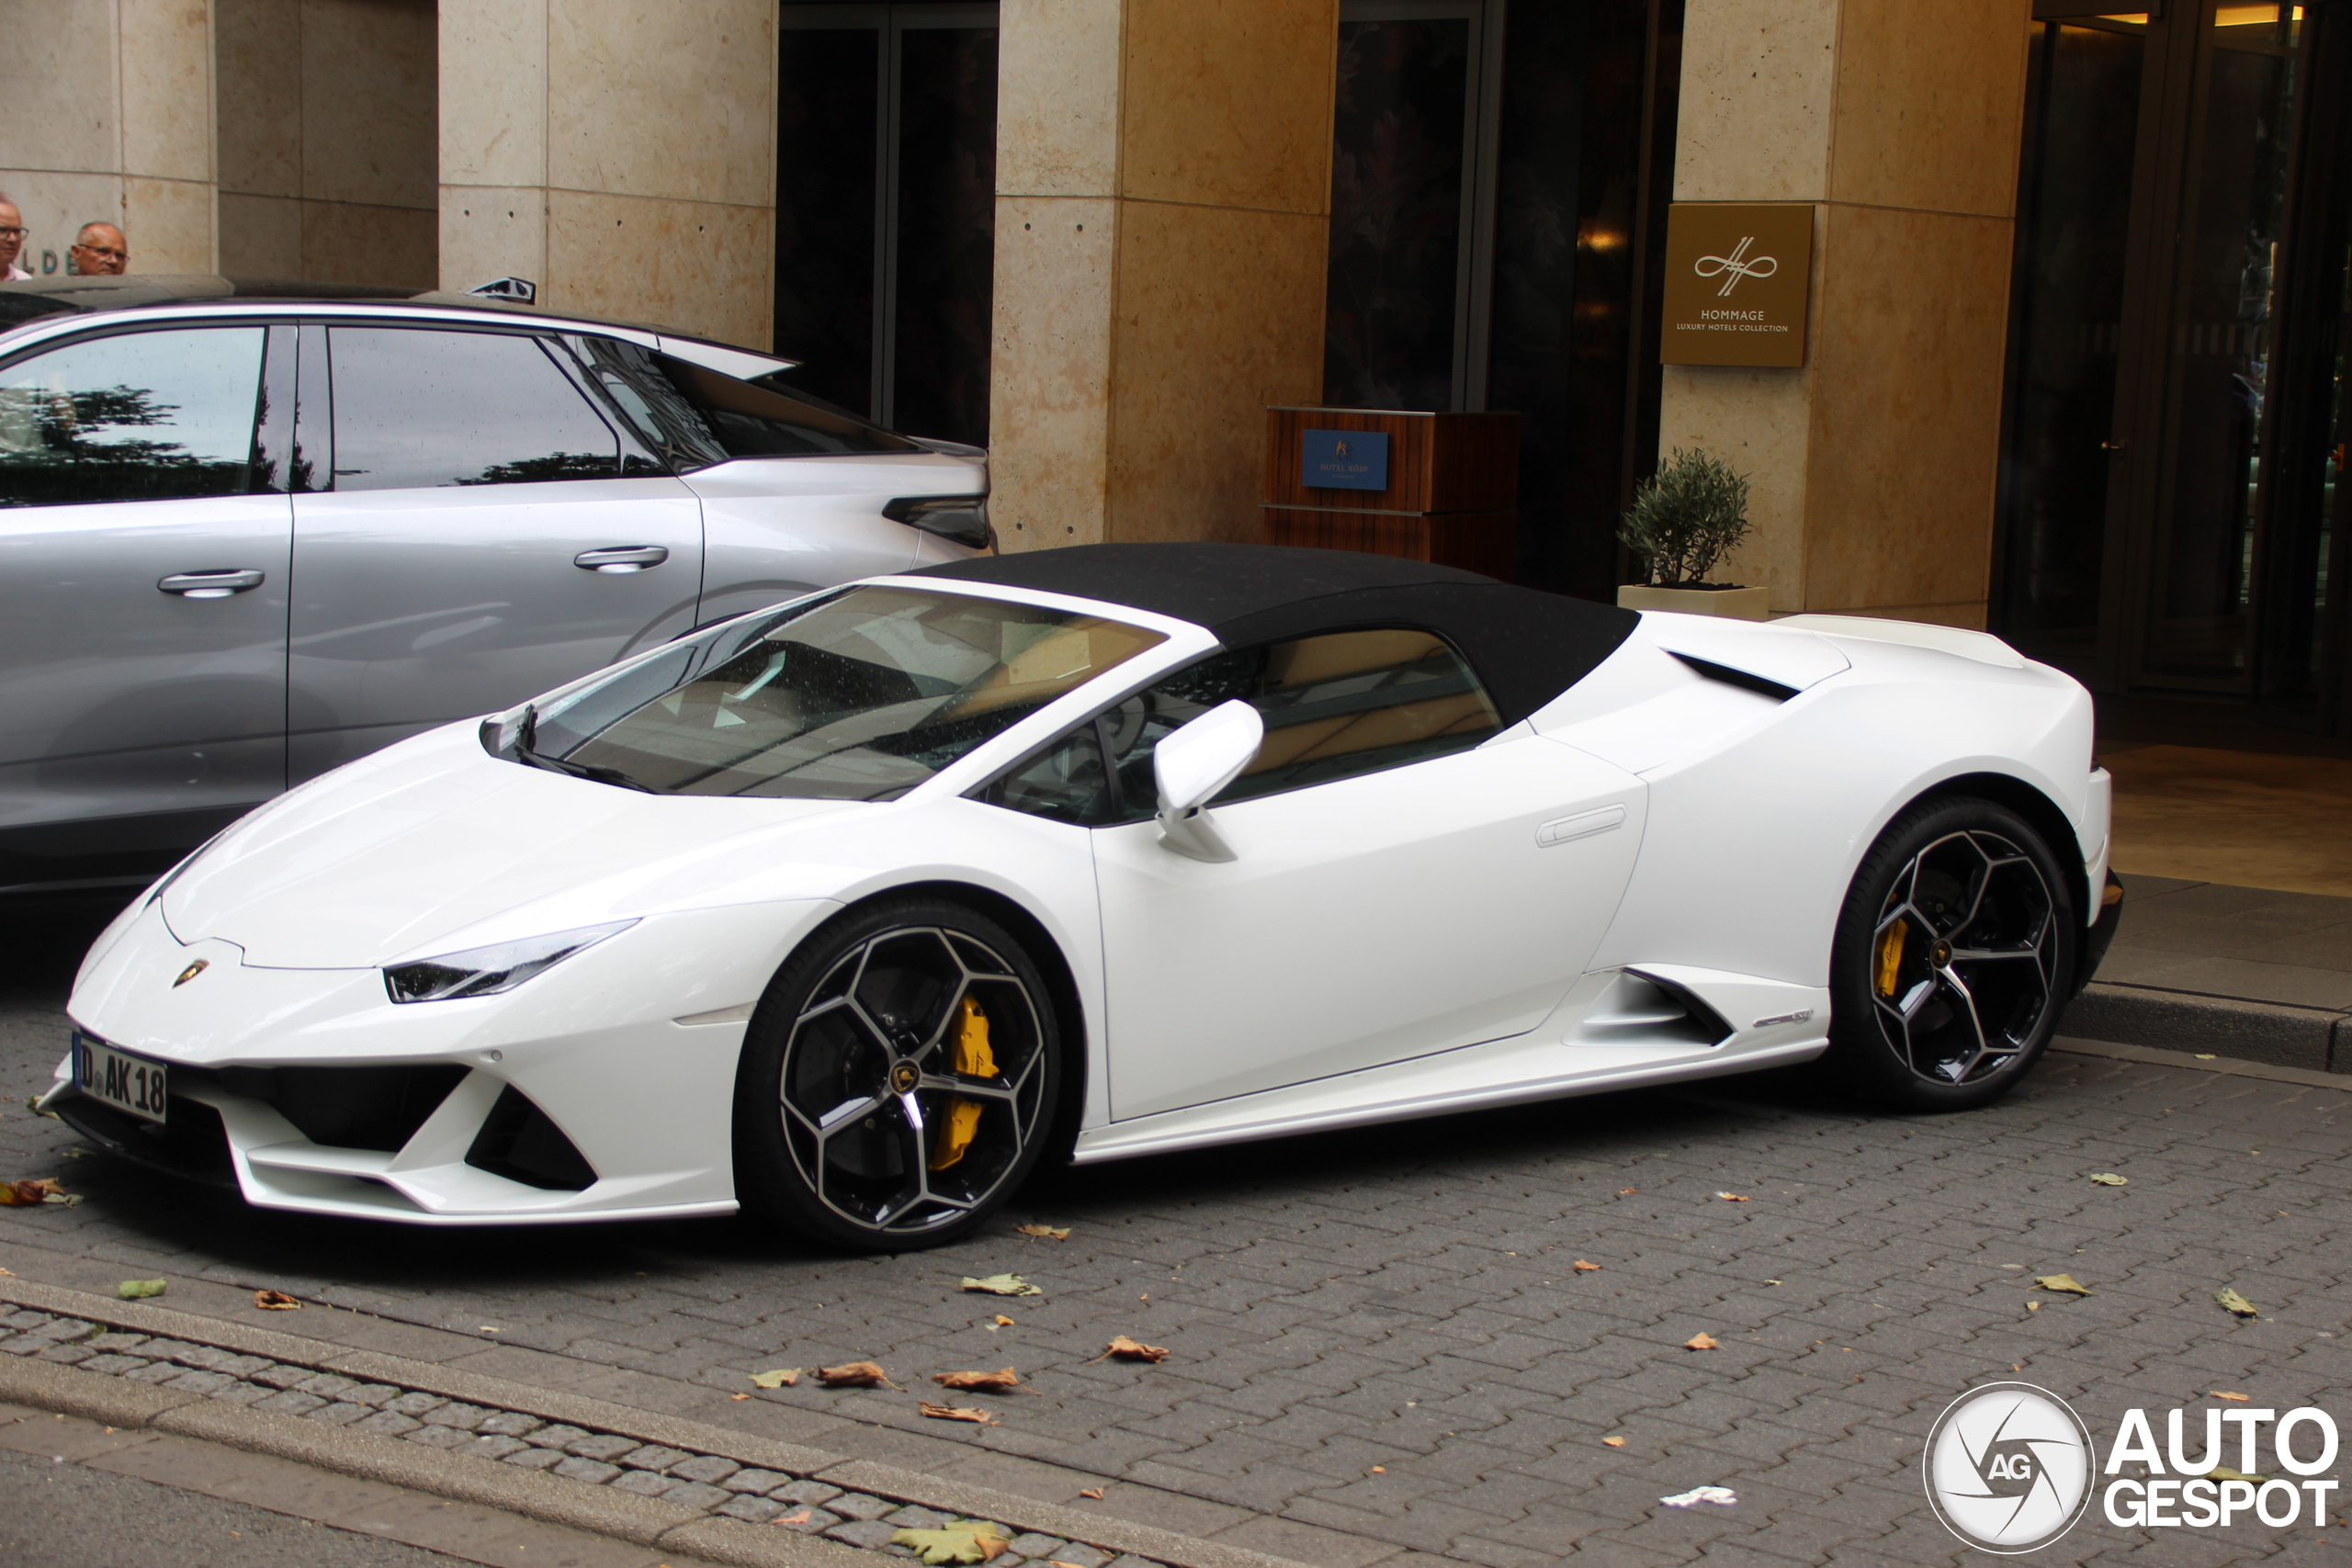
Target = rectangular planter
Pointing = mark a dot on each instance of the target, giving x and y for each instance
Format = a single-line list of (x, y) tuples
[(1740, 603)]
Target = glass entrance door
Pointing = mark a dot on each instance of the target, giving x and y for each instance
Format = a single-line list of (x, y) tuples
[(2153, 209), (885, 210)]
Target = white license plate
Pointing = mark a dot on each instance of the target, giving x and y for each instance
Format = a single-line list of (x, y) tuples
[(129, 1083)]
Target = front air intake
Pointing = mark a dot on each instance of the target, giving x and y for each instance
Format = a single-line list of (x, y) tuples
[(519, 1142), (1640, 1009)]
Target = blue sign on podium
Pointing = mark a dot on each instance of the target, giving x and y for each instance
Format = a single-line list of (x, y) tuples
[(1344, 459)]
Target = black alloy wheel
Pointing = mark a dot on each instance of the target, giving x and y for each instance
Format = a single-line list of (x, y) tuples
[(1953, 955), (898, 1080)]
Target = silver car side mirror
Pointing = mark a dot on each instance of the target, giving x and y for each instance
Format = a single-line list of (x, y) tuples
[(1195, 761)]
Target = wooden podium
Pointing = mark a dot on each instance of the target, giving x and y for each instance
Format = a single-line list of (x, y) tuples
[(1449, 492)]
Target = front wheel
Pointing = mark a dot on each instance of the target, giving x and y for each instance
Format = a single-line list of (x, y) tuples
[(898, 1080), (1952, 955)]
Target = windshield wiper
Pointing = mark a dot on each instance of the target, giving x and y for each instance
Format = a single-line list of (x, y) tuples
[(525, 754)]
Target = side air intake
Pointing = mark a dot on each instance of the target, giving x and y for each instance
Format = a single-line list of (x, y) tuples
[(1643, 1010)]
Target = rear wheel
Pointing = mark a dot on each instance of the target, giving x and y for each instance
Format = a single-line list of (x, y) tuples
[(898, 1080), (1953, 953)]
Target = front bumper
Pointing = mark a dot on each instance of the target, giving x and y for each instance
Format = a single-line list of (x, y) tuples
[(577, 1096)]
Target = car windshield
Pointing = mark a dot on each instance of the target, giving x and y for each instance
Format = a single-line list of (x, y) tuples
[(861, 696)]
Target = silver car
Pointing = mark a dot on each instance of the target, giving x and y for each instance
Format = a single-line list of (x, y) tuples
[(244, 540)]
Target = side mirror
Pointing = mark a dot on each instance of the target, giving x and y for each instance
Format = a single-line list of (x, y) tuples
[(1194, 762)]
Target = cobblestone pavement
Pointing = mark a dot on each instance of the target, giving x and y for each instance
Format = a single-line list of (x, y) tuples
[(1381, 1344)]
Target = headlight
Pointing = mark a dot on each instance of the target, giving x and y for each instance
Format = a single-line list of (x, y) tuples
[(487, 971)]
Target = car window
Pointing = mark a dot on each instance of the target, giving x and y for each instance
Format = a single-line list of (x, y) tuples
[(1066, 782), (1335, 705), (415, 410), (748, 421), (135, 417), (859, 696)]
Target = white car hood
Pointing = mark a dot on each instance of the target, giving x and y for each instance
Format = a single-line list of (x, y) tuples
[(431, 837)]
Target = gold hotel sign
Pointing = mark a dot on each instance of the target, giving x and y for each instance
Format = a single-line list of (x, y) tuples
[(1737, 277)]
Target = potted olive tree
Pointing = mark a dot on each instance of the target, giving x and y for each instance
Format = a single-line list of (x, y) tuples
[(1686, 518)]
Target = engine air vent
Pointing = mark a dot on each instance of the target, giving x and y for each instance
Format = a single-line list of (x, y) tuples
[(1744, 680)]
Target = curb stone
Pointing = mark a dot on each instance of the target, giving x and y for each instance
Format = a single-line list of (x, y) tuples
[(2227, 1066), (109, 1396), (2312, 1039)]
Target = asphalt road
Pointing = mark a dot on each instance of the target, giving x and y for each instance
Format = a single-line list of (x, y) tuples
[(1383, 1350)]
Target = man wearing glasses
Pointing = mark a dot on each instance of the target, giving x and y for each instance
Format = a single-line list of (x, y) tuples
[(12, 240), (99, 249)]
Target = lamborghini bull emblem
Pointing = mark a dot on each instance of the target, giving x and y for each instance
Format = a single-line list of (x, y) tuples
[(191, 972)]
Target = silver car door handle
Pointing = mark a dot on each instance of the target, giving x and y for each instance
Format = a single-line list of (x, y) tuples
[(621, 558), (210, 585)]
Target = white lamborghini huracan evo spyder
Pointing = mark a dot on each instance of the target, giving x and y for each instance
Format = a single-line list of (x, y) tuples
[(850, 910)]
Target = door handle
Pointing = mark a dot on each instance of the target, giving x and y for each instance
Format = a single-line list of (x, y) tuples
[(621, 558), (210, 585)]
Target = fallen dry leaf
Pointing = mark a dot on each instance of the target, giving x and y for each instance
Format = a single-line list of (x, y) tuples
[(1702, 1340), (1732, 1197), (1001, 1381), (957, 1413), (1002, 1285), (1093, 1492), (2223, 1472), (961, 1541), (2033, 1307), (2234, 1303), (739, 1396), (1627, 1191), (1614, 1442), (2108, 1179), (2063, 1284), (1125, 1349), (777, 1377), (38, 1189), (854, 1374), (1584, 1268), (2224, 1393), (137, 1289), (1003, 1321), (802, 1517), (275, 1301), (1380, 1470), (1047, 1232)]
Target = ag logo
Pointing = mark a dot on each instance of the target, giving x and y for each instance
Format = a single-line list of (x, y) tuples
[(2008, 1468)]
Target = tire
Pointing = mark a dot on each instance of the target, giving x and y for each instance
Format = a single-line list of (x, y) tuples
[(865, 1118), (1951, 958)]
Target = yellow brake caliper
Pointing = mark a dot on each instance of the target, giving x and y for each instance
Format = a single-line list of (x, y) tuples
[(972, 1058), (1890, 956)]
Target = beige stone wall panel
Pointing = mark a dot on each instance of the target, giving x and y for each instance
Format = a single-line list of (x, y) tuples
[(695, 267), (347, 242), (1905, 410), (1058, 97), (60, 78), (1758, 81), (169, 224), (652, 98), (257, 71), (1231, 102), (371, 134), (492, 64), (487, 232), (1929, 101), (1050, 369), (1219, 314), (167, 89), (261, 236)]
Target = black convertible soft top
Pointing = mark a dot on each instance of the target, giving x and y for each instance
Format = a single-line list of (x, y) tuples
[(1527, 646)]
